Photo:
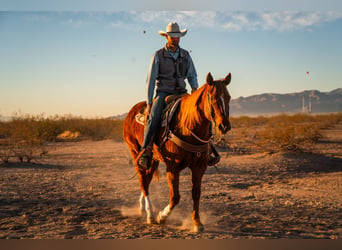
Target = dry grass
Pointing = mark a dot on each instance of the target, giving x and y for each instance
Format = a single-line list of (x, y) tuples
[(276, 133), (25, 136)]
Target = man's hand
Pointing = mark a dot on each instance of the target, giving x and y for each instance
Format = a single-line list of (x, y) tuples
[(148, 110), (193, 90)]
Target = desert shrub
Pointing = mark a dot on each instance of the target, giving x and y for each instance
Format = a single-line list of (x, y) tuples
[(99, 129), (25, 136), (6, 151), (327, 121), (288, 136), (247, 121), (278, 132)]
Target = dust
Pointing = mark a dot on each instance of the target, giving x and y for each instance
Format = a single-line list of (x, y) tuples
[(131, 211)]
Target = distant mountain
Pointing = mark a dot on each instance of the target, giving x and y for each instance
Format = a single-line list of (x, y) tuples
[(312, 101), (270, 103)]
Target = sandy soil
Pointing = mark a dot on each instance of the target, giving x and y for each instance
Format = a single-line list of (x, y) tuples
[(87, 190)]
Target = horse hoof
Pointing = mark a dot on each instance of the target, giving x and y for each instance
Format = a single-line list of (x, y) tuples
[(151, 221), (199, 229), (161, 219)]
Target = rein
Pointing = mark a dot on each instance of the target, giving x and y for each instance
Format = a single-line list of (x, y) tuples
[(197, 138), (188, 146), (192, 147)]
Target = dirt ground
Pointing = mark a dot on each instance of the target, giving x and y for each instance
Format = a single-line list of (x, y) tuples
[(87, 190)]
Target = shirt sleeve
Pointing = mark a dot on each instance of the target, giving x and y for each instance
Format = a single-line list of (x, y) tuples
[(151, 78), (192, 74)]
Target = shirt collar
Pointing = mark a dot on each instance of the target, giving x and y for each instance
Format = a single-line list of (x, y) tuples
[(174, 54)]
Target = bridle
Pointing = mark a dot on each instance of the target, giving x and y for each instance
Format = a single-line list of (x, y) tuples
[(195, 148), (212, 118)]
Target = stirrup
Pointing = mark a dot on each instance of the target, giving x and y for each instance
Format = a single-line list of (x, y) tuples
[(213, 160)]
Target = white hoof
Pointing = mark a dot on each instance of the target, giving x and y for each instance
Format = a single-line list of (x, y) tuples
[(161, 219), (199, 229)]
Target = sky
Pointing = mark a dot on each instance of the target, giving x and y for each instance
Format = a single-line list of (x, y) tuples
[(94, 62)]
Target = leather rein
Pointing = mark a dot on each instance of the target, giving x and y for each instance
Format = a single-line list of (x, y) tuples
[(194, 148)]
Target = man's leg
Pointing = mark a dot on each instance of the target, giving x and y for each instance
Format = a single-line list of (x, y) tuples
[(152, 124)]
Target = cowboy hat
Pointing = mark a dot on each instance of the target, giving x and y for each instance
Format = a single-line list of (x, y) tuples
[(172, 29)]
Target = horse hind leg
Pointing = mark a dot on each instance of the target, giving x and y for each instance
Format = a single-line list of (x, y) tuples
[(164, 214)]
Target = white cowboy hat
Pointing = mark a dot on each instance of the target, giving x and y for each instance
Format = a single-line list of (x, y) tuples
[(172, 29)]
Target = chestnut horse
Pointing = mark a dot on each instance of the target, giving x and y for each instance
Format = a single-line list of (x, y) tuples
[(190, 125)]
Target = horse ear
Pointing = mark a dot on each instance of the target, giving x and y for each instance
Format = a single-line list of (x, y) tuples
[(228, 79), (210, 79)]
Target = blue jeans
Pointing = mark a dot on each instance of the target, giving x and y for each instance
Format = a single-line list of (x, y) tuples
[(154, 120)]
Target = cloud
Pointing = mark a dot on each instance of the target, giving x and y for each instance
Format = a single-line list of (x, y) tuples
[(281, 21), (184, 18), (237, 21)]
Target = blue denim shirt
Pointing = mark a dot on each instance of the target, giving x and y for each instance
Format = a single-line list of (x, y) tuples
[(153, 73)]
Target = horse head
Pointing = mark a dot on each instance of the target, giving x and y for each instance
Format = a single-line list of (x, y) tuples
[(218, 100)]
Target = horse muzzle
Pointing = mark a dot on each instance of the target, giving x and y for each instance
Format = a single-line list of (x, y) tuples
[(224, 128)]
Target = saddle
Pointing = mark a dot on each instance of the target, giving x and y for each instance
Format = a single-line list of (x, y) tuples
[(171, 102)]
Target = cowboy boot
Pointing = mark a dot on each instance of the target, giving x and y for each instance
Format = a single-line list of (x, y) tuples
[(214, 156), (144, 158)]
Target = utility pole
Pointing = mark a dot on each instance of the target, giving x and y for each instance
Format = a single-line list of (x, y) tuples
[(310, 104)]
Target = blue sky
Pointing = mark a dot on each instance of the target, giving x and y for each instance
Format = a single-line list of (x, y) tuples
[(94, 63)]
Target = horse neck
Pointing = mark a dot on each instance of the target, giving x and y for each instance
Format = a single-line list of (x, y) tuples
[(193, 114)]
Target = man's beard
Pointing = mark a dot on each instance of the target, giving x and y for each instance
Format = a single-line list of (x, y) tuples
[(173, 44)]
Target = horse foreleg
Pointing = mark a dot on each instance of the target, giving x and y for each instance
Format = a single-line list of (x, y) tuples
[(149, 210), (173, 182), (196, 179), (145, 204), (145, 178)]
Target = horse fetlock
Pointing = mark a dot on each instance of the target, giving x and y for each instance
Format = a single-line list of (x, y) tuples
[(162, 218)]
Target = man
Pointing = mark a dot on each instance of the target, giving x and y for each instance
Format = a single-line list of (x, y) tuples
[(169, 68)]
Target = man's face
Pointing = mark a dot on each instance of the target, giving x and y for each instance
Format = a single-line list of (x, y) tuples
[(173, 41)]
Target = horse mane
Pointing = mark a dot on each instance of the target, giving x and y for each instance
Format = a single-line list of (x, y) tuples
[(190, 111)]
